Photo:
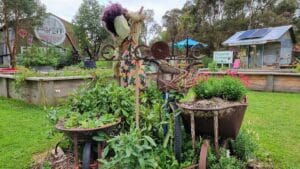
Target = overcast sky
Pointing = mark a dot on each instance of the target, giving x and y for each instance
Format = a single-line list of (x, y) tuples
[(66, 9)]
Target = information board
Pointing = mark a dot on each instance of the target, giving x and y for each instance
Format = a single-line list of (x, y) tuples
[(223, 57)]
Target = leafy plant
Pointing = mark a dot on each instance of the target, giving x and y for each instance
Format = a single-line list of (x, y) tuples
[(213, 66), (244, 146), (297, 69), (228, 88), (206, 60), (232, 88), (209, 88), (100, 104), (35, 56), (132, 150), (225, 162)]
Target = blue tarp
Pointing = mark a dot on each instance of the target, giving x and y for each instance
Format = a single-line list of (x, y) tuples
[(190, 42)]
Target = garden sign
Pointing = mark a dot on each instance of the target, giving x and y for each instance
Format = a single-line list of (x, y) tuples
[(52, 31), (223, 57)]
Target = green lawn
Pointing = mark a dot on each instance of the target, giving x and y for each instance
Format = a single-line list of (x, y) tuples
[(274, 116), (23, 132), (276, 119)]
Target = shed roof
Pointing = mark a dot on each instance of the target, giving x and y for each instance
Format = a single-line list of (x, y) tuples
[(274, 35)]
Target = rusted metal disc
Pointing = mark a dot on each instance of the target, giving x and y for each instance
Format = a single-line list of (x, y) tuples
[(160, 50)]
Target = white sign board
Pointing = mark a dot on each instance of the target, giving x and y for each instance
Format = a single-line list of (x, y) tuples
[(52, 31), (223, 57)]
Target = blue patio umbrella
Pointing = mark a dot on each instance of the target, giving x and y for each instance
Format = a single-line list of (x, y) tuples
[(190, 42)]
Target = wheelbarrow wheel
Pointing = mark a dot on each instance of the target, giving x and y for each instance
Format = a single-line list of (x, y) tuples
[(86, 155), (203, 154)]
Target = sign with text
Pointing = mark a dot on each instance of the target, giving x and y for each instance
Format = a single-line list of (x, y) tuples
[(52, 31), (223, 57)]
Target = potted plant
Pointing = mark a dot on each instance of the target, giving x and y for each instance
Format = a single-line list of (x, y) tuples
[(224, 96)]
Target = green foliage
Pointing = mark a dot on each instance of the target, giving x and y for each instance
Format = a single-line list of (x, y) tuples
[(232, 89), (88, 28), (209, 88), (213, 66), (297, 69), (189, 97), (286, 6), (132, 150), (225, 162), (97, 74), (100, 104), (244, 146), (190, 156), (13, 14), (206, 60), (35, 56), (228, 88)]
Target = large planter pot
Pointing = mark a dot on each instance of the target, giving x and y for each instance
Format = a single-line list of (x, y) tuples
[(43, 68), (230, 118)]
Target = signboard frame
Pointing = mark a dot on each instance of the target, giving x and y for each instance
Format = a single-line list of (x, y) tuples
[(223, 57)]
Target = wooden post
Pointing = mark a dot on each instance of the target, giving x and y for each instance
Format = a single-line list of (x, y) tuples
[(75, 141), (137, 93), (216, 133), (193, 128)]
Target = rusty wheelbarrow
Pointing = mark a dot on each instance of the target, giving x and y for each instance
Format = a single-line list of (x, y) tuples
[(85, 136), (224, 122)]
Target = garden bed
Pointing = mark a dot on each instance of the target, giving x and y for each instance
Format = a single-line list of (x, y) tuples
[(270, 81), (41, 90)]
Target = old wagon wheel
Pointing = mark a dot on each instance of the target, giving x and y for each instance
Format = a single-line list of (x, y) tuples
[(160, 50), (107, 52), (141, 52), (196, 52)]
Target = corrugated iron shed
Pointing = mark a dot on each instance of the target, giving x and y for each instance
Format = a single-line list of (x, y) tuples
[(273, 35)]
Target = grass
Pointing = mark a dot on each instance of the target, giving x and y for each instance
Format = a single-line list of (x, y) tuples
[(23, 132), (275, 117)]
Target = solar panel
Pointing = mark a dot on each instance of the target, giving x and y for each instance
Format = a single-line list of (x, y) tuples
[(246, 34), (259, 33)]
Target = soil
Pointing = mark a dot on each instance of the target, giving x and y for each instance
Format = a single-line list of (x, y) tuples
[(209, 104)]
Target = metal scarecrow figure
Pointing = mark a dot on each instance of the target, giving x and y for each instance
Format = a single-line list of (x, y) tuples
[(125, 28)]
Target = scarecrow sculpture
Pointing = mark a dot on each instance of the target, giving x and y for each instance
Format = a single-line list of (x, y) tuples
[(125, 28)]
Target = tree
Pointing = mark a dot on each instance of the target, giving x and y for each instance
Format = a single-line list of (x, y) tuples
[(13, 17), (214, 21), (150, 28), (171, 21), (88, 28)]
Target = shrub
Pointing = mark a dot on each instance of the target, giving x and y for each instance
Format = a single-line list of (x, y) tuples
[(207, 89), (206, 60), (36, 56), (228, 88), (100, 100), (244, 146), (232, 88), (213, 66)]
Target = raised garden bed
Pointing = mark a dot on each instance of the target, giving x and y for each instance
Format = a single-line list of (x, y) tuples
[(41, 90), (270, 81)]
